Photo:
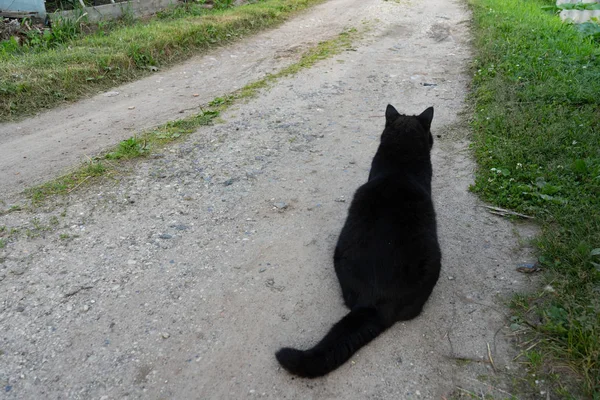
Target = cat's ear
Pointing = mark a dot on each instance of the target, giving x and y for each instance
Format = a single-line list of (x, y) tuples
[(426, 117), (390, 115)]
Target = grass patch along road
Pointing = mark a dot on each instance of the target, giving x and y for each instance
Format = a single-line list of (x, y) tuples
[(42, 78), (537, 142)]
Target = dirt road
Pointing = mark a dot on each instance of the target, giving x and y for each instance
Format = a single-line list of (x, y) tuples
[(59, 139), (183, 279)]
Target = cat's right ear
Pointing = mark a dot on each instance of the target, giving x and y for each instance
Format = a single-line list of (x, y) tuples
[(391, 114), (426, 117)]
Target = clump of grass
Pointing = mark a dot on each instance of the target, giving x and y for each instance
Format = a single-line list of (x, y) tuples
[(129, 148), (38, 80), (537, 142), (66, 183), (7, 235)]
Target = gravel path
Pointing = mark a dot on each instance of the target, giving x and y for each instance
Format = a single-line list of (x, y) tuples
[(181, 280)]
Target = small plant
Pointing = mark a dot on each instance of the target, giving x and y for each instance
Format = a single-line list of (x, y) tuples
[(129, 148), (534, 358), (9, 46), (141, 57), (222, 4), (94, 168), (590, 29), (217, 101), (64, 30), (128, 16)]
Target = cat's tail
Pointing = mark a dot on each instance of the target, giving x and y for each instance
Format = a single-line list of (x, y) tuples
[(354, 331)]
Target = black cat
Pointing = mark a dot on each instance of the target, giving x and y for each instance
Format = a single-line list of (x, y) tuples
[(387, 258)]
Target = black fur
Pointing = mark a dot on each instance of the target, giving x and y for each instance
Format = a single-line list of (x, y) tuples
[(387, 258)]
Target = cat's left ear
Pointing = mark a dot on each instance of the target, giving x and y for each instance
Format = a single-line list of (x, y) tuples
[(391, 114), (426, 117)]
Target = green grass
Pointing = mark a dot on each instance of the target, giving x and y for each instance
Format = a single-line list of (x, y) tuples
[(75, 67), (141, 145), (536, 95)]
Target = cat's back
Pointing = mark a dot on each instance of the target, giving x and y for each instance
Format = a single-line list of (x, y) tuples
[(393, 196), (390, 233)]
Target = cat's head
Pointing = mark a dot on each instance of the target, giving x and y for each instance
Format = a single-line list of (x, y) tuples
[(408, 132)]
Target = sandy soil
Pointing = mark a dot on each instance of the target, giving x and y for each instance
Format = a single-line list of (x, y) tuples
[(181, 280)]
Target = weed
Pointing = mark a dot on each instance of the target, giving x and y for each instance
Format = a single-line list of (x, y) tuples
[(65, 30), (534, 359), (37, 229), (222, 4), (590, 28), (128, 16), (8, 47), (536, 141), (129, 148), (217, 101), (94, 168)]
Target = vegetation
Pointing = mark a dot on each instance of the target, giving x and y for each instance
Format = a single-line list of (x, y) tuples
[(65, 65), (53, 5), (537, 141)]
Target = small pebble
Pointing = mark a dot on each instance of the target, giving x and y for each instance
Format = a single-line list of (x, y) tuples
[(281, 205), (165, 335)]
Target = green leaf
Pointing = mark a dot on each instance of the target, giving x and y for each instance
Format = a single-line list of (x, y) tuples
[(579, 166)]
